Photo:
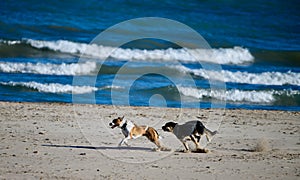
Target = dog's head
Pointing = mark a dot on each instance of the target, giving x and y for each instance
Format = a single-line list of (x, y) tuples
[(169, 126), (116, 122)]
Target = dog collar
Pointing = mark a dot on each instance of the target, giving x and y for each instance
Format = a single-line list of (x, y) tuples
[(124, 125)]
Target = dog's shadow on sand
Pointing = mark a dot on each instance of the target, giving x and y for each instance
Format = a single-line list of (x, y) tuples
[(99, 147)]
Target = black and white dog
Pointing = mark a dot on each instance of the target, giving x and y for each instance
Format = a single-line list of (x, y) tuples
[(192, 130)]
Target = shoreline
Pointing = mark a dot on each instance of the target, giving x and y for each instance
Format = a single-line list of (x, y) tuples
[(62, 140), (226, 108)]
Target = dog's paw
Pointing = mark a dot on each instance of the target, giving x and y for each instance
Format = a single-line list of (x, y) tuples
[(187, 151), (183, 151), (165, 149), (155, 149)]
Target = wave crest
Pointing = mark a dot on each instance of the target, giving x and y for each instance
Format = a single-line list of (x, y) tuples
[(235, 95), (265, 78), (49, 69), (235, 55), (53, 87)]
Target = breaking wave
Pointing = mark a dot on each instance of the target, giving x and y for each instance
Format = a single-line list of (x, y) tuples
[(235, 95), (229, 95), (48, 68), (235, 55), (265, 78), (52, 87)]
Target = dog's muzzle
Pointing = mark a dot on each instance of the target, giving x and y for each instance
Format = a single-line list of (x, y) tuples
[(165, 128), (112, 125)]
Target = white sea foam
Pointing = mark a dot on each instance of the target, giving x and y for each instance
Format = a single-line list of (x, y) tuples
[(48, 68), (10, 42), (236, 55), (235, 95), (52, 87), (265, 78), (111, 87)]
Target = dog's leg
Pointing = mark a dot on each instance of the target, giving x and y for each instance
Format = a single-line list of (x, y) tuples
[(207, 138), (198, 138), (195, 141), (153, 136), (134, 137), (185, 145), (124, 141), (126, 144), (157, 143)]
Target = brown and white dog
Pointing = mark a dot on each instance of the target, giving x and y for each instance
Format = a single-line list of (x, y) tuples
[(192, 130), (133, 131)]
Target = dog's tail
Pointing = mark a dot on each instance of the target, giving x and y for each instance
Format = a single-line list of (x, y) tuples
[(209, 133), (146, 128)]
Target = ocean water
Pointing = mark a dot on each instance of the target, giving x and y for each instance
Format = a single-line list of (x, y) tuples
[(44, 46)]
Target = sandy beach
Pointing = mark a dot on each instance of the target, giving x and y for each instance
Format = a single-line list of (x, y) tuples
[(66, 141)]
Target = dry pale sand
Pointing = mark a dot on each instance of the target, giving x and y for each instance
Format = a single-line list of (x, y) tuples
[(65, 141)]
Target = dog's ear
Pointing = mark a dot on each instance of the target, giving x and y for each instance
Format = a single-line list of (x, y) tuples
[(122, 118)]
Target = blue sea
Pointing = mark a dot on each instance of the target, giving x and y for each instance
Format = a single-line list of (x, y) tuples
[(50, 51)]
